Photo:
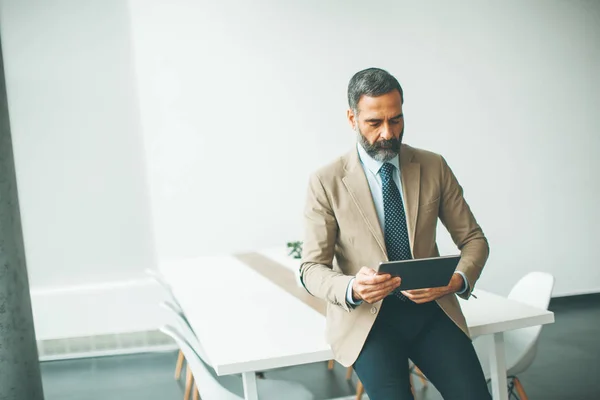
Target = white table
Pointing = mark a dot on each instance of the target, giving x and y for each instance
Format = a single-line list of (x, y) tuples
[(248, 323), (491, 314)]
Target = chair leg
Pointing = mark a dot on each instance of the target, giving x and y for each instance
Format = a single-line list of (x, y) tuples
[(520, 389), (359, 390), (421, 376), (179, 365), (330, 365), (349, 373), (196, 393), (189, 380)]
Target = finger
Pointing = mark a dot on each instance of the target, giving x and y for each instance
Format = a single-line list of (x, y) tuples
[(374, 297), (417, 292), (408, 294), (364, 274), (373, 279), (391, 284), (413, 294), (388, 286), (377, 292), (367, 271), (422, 297), (422, 301), (370, 290)]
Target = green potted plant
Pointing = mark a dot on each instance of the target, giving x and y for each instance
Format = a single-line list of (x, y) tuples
[(295, 249)]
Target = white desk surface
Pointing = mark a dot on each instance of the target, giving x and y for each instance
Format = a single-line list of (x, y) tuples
[(244, 321), (247, 323)]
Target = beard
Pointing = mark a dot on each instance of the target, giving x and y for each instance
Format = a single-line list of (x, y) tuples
[(382, 150)]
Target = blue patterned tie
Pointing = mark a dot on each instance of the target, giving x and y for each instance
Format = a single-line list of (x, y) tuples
[(396, 232)]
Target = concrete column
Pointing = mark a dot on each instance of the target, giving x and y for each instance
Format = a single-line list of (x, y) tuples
[(20, 377)]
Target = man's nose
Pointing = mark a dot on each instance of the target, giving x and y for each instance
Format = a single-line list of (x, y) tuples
[(386, 132)]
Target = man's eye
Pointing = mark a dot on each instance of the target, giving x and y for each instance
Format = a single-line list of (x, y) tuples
[(395, 121), (374, 123)]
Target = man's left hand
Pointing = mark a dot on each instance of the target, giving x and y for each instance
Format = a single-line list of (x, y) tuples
[(420, 296)]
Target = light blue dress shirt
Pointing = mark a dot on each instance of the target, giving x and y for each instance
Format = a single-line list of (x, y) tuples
[(371, 168)]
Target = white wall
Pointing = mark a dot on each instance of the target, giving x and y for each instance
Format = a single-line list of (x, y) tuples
[(79, 162), (241, 100)]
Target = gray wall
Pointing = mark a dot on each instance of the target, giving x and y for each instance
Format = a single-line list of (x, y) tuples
[(19, 367)]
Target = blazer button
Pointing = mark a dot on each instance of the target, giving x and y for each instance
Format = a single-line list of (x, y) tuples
[(373, 310)]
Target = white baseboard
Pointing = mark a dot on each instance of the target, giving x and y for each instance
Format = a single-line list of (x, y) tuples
[(97, 309), (109, 353)]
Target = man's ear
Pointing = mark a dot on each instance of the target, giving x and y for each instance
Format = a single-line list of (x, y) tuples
[(351, 118)]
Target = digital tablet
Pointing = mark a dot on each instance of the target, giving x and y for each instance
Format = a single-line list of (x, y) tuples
[(423, 272)]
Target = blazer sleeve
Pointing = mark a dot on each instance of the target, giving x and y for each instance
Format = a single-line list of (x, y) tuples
[(320, 235), (466, 233)]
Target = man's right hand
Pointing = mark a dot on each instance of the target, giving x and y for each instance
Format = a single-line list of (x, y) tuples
[(372, 287)]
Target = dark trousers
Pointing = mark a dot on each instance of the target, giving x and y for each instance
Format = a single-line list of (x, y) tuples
[(427, 336)]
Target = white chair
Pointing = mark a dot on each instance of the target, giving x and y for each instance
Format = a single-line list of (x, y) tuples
[(185, 329), (160, 279), (157, 276), (212, 386), (534, 289)]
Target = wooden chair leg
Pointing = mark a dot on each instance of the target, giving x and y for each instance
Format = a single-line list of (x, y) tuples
[(330, 365), (520, 390), (359, 390), (189, 380), (179, 365), (196, 393), (349, 373), (421, 376)]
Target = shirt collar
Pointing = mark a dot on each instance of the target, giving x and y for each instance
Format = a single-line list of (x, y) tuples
[(372, 164)]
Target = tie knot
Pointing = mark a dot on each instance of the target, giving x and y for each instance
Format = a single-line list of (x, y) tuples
[(386, 171)]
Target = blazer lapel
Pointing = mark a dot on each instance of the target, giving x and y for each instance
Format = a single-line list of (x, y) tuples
[(359, 190), (411, 183)]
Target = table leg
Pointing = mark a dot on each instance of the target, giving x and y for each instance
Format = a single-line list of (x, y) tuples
[(250, 389), (498, 367)]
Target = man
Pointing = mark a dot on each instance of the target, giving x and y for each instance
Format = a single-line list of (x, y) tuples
[(381, 202)]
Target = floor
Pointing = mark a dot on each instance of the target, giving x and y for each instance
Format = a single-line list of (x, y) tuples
[(567, 367)]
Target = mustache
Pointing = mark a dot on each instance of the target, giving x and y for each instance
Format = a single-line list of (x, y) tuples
[(389, 144)]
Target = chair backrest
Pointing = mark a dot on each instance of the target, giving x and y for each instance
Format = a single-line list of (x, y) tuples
[(185, 329), (208, 386), (534, 289), (160, 279)]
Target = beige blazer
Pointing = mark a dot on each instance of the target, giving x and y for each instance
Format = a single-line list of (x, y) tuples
[(343, 234)]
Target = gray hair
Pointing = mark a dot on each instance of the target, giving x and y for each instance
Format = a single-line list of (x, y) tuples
[(371, 82)]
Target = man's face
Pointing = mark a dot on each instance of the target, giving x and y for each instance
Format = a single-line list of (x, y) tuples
[(379, 124)]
